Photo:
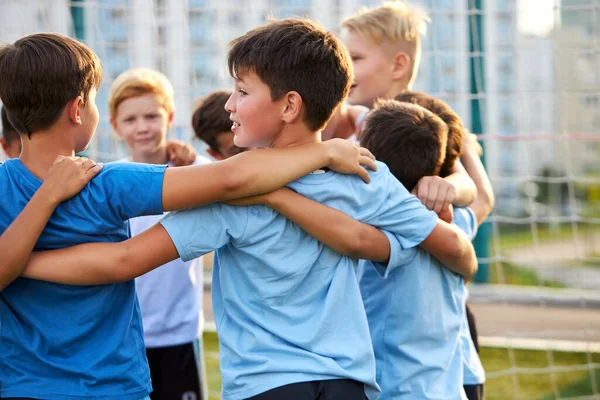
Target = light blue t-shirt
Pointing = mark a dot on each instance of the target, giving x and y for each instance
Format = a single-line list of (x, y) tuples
[(287, 308), (473, 371), (65, 342), (415, 309)]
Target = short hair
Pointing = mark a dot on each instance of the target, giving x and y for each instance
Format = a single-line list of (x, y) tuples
[(136, 82), (452, 120), (393, 22), (408, 138), (40, 74), (211, 119), (296, 55), (8, 130)]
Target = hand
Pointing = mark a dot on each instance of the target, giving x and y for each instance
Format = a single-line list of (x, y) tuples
[(349, 158), (447, 214), (470, 144), (67, 176), (435, 193), (181, 153)]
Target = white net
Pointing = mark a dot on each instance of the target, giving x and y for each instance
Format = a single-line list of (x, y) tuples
[(524, 73)]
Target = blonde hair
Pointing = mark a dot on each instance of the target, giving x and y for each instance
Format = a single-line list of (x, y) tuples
[(394, 22), (138, 82)]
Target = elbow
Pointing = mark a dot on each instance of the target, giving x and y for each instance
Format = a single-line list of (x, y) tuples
[(122, 270), (463, 254), (233, 181)]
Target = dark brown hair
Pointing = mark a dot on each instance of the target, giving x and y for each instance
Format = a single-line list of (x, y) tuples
[(40, 74), (296, 55), (442, 110), (211, 119), (408, 138), (8, 131)]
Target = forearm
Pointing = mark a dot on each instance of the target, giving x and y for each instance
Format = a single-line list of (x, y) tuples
[(466, 191), (250, 173), (484, 202), (103, 263), (332, 227), (18, 240), (452, 249)]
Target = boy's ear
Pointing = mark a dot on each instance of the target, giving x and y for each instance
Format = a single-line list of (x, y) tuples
[(401, 65), (171, 116), (292, 107), (5, 146), (113, 123), (73, 109)]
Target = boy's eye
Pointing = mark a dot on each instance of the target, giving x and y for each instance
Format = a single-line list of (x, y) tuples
[(356, 58), (242, 92)]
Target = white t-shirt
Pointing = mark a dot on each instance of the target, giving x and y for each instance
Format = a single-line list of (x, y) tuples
[(170, 296)]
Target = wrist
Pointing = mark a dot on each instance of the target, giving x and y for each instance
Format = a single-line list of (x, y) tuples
[(47, 196)]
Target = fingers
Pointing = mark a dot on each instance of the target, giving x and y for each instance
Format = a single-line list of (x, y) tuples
[(440, 199), (367, 162), (366, 152), (93, 171), (432, 196), (364, 174)]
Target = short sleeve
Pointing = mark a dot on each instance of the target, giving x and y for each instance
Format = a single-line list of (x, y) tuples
[(404, 216), (131, 189), (465, 219), (398, 256), (198, 231)]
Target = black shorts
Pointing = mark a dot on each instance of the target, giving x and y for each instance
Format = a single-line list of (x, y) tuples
[(474, 392), (335, 389), (175, 372), (472, 328)]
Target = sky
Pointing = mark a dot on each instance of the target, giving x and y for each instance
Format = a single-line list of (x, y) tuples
[(536, 17)]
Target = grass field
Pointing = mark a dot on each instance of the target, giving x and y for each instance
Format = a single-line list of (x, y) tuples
[(532, 380)]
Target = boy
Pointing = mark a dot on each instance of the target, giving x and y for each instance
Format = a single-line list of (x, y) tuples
[(415, 307), (65, 342), (141, 109), (474, 375), (385, 47), (10, 140), (212, 125), (289, 315)]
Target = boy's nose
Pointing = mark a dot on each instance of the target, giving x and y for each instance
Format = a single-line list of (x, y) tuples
[(229, 105)]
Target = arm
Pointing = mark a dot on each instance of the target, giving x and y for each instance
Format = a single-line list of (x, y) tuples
[(463, 184), (484, 201), (452, 248), (102, 263), (259, 171), (335, 229), (66, 177)]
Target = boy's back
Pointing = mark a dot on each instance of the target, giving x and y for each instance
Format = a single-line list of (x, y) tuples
[(415, 311), (284, 304), (76, 341)]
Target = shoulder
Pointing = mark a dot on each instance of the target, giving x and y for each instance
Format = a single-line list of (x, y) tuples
[(465, 219), (121, 171)]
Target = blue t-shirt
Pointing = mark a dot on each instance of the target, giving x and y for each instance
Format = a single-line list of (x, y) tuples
[(415, 309), (287, 308), (65, 342)]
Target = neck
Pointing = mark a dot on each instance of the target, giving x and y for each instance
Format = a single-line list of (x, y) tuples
[(295, 135), (159, 156), (41, 150), (395, 89)]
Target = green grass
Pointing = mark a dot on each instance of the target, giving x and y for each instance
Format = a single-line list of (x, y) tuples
[(512, 274), (510, 238), (537, 386), (522, 386)]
